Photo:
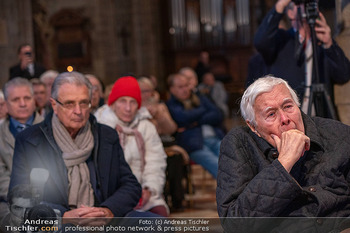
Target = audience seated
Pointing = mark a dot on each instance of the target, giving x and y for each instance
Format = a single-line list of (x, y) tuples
[(166, 127), (97, 92), (191, 76), (88, 175), (19, 98), (48, 77), (161, 117), (198, 120), (40, 97), (107, 91), (142, 146), (215, 91)]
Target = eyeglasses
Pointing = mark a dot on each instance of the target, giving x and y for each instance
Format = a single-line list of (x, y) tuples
[(71, 105)]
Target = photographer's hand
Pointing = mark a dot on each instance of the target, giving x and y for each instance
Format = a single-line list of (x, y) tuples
[(281, 4), (25, 61), (323, 31)]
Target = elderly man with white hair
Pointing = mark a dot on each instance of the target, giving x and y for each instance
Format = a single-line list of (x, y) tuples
[(283, 163)]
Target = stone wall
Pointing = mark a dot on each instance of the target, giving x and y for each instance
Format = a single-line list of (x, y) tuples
[(15, 28), (341, 92), (125, 35)]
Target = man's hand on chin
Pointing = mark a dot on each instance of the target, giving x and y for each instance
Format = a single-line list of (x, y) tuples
[(291, 146)]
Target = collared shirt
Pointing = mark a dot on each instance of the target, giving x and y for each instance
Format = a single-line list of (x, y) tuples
[(16, 126)]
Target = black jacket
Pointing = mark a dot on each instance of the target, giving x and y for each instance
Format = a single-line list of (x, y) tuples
[(253, 183), (114, 185), (16, 71)]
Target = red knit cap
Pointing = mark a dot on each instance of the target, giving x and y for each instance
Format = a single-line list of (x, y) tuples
[(125, 86)]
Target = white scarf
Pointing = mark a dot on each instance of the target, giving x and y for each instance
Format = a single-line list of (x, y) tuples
[(75, 153)]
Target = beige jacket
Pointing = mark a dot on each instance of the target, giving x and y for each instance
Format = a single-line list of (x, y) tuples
[(7, 145)]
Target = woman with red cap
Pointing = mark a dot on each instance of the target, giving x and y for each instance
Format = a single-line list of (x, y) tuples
[(142, 146)]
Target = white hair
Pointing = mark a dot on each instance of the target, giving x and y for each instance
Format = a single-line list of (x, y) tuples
[(261, 85), (73, 77), (48, 75), (17, 82)]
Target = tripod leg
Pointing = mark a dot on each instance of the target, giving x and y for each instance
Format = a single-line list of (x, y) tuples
[(311, 100), (320, 98), (330, 105)]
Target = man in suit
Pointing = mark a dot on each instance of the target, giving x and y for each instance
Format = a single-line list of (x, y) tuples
[(27, 67), (88, 175), (20, 103)]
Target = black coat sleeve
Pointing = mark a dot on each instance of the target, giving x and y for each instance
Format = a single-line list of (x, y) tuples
[(268, 38), (123, 191), (248, 185)]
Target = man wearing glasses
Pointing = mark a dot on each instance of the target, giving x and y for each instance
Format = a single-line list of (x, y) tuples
[(88, 173)]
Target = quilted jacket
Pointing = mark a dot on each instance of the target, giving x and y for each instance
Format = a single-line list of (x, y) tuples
[(253, 183)]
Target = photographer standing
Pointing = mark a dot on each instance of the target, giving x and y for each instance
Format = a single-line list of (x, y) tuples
[(26, 68), (289, 52)]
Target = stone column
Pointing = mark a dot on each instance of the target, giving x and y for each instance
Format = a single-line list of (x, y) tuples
[(341, 92)]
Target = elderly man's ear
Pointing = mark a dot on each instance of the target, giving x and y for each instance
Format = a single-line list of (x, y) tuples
[(252, 128)]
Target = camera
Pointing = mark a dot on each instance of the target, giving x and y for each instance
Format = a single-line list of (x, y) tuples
[(42, 217), (26, 210), (311, 9)]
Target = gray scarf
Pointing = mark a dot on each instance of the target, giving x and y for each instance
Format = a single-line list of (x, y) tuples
[(75, 153)]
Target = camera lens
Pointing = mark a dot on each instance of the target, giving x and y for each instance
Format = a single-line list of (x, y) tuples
[(40, 212)]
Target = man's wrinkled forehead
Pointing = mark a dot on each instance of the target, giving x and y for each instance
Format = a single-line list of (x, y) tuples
[(285, 101), (278, 94)]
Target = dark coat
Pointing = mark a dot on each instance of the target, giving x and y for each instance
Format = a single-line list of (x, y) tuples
[(278, 48), (16, 71), (253, 183), (191, 139), (114, 185)]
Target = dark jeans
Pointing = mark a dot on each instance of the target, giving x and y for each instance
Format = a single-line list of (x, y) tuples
[(175, 174)]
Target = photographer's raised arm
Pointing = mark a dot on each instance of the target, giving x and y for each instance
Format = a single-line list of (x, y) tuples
[(281, 5)]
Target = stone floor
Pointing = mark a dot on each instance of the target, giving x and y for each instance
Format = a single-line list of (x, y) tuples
[(203, 202), (200, 206)]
